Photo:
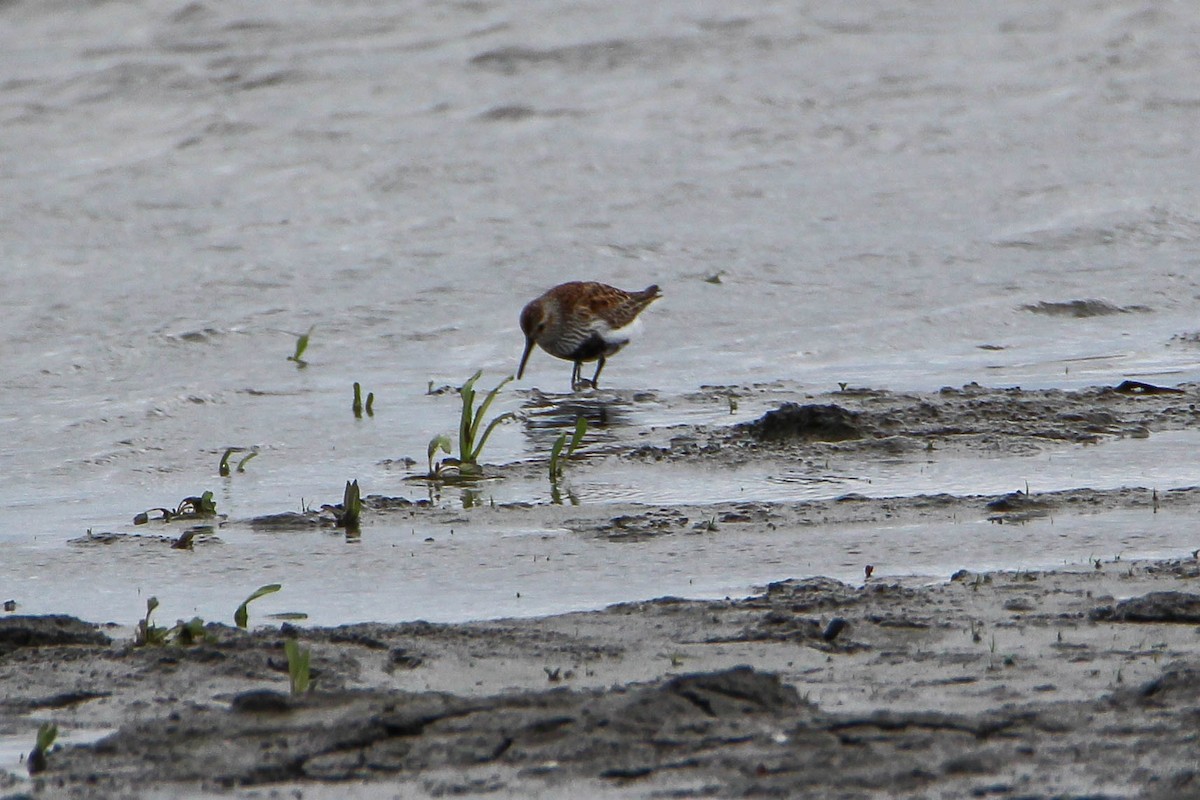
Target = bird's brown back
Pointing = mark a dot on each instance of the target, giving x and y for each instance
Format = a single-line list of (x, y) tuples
[(615, 306)]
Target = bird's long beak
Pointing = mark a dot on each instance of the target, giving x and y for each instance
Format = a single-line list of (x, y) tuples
[(524, 358)]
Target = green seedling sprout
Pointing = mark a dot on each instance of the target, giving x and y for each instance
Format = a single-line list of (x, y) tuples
[(470, 441), (442, 443), (357, 407), (147, 632), (184, 633), (241, 617), (351, 510), (297, 658), (46, 735), (470, 444), (185, 540), (301, 346), (190, 632), (556, 458), (224, 469)]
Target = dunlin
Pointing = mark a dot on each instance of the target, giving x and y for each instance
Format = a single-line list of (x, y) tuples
[(582, 321)]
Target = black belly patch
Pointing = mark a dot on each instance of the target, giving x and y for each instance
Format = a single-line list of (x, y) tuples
[(593, 347)]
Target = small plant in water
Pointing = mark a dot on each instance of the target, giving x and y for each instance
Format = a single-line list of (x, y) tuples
[(441, 443), (357, 407), (46, 735), (470, 440), (190, 507), (298, 673), (224, 469), (241, 617), (301, 346), (556, 457), (348, 514)]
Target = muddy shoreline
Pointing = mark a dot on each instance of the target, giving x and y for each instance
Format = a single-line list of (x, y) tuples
[(1007, 684), (1078, 681)]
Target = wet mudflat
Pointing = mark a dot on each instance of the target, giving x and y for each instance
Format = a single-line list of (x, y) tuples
[(1033, 684), (1080, 680), (883, 195)]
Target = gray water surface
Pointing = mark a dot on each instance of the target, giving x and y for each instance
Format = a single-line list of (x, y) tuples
[(891, 195)]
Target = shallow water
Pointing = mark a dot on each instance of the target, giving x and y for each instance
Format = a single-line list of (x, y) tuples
[(900, 196), (488, 568)]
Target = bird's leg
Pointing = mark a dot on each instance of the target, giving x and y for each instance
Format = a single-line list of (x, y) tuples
[(596, 377), (575, 376)]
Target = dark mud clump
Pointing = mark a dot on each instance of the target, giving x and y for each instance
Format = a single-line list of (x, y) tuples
[(1178, 607), (973, 418), (1082, 308), (615, 735), (48, 631), (809, 423)]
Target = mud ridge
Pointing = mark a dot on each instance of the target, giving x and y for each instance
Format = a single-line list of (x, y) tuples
[(954, 689)]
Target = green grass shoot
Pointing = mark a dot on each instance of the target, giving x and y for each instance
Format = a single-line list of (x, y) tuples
[(358, 406), (241, 617), (301, 346), (470, 443), (298, 672), (147, 632), (190, 632), (470, 440), (351, 511), (46, 735), (224, 469), (443, 443), (556, 457)]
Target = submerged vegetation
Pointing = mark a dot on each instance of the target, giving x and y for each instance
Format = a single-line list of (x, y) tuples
[(223, 468), (556, 456), (241, 617), (348, 514), (470, 439), (358, 407), (196, 507), (301, 346)]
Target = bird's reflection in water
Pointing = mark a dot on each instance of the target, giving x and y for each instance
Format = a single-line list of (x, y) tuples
[(547, 416)]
